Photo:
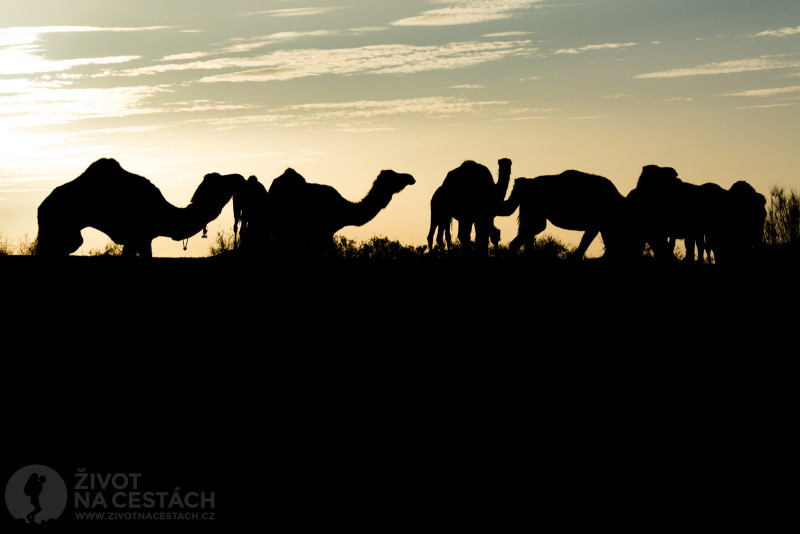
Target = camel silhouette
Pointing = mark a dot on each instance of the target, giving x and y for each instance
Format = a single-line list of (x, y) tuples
[(664, 208), (470, 196), (302, 216), (128, 208), (249, 212), (738, 225), (572, 200)]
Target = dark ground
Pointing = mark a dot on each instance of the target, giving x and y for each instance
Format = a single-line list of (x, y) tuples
[(417, 395)]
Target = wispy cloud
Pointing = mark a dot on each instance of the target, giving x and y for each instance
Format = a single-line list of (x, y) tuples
[(459, 12), (377, 59), (506, 34), (726, 67), (588, 117), (27, 103), (767, 92), (783, 32), (293, 12), (351, 116), (593, 47), (21, 51), (184, 56), (768, 106)]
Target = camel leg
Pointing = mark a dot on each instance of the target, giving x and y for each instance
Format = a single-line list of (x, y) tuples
[(701, 248), (586, 240), (447, 236), (430, 236), (482, 236), (526, 234), (464, 232), (689, 244), (494, 235)]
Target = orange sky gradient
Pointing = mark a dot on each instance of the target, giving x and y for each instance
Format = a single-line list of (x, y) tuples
[(341, 90)]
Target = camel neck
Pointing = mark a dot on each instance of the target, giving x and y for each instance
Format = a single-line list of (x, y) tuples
[(188, 221), (366, 210)]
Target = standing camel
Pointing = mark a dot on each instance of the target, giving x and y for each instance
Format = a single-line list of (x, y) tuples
[(469, 195), (128, 208), (572, 200), (249, 211), (664, 208)]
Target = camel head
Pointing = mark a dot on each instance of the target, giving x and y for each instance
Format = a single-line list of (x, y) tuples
[(53, 241), (655, 176), (217, 190), (505, 166), (59, 232), (393, 182)]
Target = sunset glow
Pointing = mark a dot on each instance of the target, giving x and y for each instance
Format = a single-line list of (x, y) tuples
[(340, 90)]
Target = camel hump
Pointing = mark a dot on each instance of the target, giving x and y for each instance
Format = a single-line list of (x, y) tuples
[(288, 180), (104, 165), (290, 175), (472, 166), (469, 172)]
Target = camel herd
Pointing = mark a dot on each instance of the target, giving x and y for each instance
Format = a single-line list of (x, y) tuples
[(294, 215)]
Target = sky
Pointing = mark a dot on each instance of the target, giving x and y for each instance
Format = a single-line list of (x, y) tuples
[(341, 89)]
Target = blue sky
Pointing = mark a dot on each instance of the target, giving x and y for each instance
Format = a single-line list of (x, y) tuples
[(342, 89)]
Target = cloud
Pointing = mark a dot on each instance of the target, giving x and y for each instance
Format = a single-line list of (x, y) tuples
[(21, 52), (593, 47), (184, 56), (25, 103), (376, 59), (293, 12), (14, 62), (767, 106), (506, 34), (725, 67), (437, 106), (783, 32), (466, 12), (354, 116), (245, 45), (767, 92)]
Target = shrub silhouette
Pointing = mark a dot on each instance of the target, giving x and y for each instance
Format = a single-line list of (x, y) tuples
[(5, 246), (782, 225), (223, 243), (111, 249)]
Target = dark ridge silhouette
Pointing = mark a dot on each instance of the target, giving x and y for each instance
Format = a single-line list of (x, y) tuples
[(297, 216), (470, 196), (663, 208), (572, 200), (126, 207)]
